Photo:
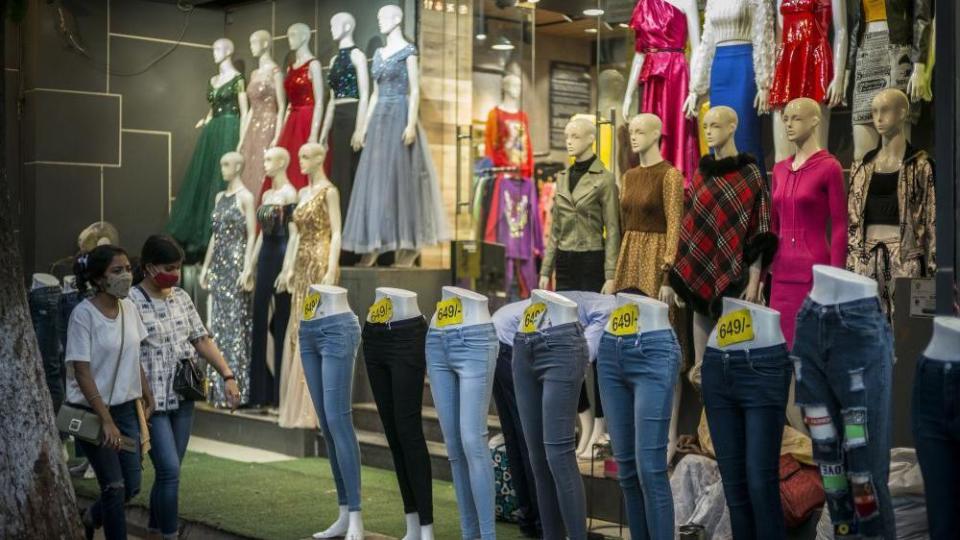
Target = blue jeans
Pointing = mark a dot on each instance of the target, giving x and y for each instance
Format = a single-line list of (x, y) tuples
[(745, 396), (548, 369), (44, 310), (118, 474), (460, 363), (328, 350), (843, 359), (936, 433), (637, 377), (169, 435)]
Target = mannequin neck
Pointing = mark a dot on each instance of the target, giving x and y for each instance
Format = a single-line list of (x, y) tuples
[(395, 38), (510, 104), (266, 60), (893, 144), (226, 67), (805, 148), (347, 41), (303, 54), (280, 180), (651, 156), (318, 179), (727, 148), (584, 156), (234, 185)]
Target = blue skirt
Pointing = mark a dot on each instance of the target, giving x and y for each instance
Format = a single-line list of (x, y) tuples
[(732, 83)]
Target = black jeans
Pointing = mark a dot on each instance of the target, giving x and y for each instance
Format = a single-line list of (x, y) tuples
[(580, 271), (522, 473), (396, 364), (264, 385), (44, 310), (936, 431)]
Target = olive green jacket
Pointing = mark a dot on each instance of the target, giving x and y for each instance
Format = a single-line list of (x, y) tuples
[(580, 218)]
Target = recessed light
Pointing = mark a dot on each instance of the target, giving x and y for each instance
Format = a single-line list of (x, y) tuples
[(502, 44), (623, 25), (590, 30), (481, 37), (593, 12)]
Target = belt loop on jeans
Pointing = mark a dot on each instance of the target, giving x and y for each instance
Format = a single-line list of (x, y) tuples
[(746, 356)]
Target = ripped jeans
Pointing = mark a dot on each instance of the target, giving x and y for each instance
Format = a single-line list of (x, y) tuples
[(843, 363)]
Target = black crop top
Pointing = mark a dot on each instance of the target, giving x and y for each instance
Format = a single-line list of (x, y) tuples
[(882, 207), (342, 78)]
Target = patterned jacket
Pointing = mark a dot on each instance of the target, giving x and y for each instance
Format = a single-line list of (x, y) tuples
[(916, 202), (725, 229)]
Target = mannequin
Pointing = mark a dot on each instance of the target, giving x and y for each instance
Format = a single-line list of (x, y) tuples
[(730, 180), (577, 247), (40, 281), (266, 260), (190, 214), (394, 351), (261, 126), (892, 202), (313, 254), (349, 83), (559, 310), (945, 343), (808, 200), (806, 66), (889, 43), (746, 382), (303, 85), (843, 362), (234, 230), (735, 64), (330, 337), (662, 28), (461, 354), (377, 221)]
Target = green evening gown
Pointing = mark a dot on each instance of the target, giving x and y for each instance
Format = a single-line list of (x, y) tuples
[(190, 217)]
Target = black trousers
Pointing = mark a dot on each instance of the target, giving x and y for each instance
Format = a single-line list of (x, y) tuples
[(517, 456), (344, 161), (396, 364), (264, 385)]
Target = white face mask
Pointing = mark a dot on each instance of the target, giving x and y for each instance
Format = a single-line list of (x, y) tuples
[(118, 285)]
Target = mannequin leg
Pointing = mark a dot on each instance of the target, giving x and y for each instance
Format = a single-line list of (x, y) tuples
[(368, 259), (585, 416), (599, 429), (702, 326), (406, 258), (674, 414)]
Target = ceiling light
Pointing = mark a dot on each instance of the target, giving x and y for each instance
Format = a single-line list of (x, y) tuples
[(590, 30), (481, 37), (623, 25), (593, 12), (502, 44)]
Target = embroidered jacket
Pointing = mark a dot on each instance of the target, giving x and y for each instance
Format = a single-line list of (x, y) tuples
[(916, 201), (725, 229)]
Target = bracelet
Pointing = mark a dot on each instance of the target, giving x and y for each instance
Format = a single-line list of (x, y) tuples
[(230, 377)]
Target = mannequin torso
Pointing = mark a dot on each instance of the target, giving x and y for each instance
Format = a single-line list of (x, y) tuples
[(652, 315), (331, 300), (560, 310), (836, 286), (765, 325), (403, 303), (44, 280), (473, 306), (945, 343)]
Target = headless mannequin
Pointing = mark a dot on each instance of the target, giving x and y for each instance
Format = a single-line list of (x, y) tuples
[(836, 91), (282, 193), (388, 20), (766, 326), (560, 310), (341, 28), (581, 134), (231, 166), (890, 110), (40, 281), (223, 57), (333, 301), (403, 305), (261, 43), (833, 285), (475, 310), (945, 343), (692, 11), (298, 35), (311, 163)]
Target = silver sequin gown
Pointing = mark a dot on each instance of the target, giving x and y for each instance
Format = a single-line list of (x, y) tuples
[(230, 321)]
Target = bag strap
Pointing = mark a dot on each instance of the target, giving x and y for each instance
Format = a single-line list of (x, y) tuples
[(123, 332)]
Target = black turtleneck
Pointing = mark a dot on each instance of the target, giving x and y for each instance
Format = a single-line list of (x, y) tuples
[(578, 169)]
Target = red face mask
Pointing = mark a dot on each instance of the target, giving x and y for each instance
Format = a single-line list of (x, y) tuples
[(166, 280)]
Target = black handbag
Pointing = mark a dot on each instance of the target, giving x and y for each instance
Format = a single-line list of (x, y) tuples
[(189, 381)]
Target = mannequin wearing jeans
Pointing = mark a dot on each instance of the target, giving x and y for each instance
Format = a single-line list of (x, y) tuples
[(638, 364), (549, 359), (843, 359), (329, 339), (461, 357), (746, 381), (936, 426)]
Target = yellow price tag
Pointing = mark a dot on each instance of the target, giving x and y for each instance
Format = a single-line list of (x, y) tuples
[(624, 320), (735, 327), (532, 316), (381, 311), (310, 304), (449, 312)]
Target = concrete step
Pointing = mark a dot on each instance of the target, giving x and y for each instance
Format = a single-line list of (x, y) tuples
[(375, 452), (257, 430), (367, 418)]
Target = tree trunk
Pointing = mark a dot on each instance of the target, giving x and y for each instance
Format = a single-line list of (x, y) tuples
[(36, 497)]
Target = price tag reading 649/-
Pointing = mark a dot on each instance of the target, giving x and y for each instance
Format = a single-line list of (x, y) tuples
[(735, 327), (532, 317), (310, 304), (381, 311), (449, 312), (624, 320)]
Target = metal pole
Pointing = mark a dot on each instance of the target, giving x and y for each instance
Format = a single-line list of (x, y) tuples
[(945, 151)]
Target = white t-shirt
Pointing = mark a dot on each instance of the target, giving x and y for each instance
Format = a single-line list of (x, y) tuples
[(93, 337)]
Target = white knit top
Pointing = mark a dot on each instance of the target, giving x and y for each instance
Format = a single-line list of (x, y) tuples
[(735, 20)]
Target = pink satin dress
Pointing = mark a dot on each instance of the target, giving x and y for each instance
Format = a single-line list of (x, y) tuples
[(661, 36)]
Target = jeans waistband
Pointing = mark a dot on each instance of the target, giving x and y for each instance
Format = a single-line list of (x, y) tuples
[(940, 367), (571, 328), (771, 352), (341, 320), (393, 326), (742, 49), (48, 293), (861, 305), (481, 329), (654, 335)]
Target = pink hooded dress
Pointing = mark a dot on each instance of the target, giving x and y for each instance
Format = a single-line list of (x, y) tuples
[(807, 204), (661, 36)]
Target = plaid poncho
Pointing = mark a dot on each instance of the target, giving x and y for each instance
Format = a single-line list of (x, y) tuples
[(725, 228)]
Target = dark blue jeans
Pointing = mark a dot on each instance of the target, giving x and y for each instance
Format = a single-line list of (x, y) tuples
[(44, 310), (843, 360), (745, 395), (637, 378), (548, 369), (936, 433), (118, 474), (169, 435)]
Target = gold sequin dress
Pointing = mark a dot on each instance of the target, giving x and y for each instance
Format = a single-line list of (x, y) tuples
[(651, 207), (313, 253)]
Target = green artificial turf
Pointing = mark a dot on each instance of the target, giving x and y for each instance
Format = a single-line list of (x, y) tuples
[(291, 499)]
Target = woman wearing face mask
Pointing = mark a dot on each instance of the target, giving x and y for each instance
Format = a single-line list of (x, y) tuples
[(104, 375), (174, 332)]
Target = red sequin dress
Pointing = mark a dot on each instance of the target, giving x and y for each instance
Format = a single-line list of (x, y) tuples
[(296, 130), (804, 59)]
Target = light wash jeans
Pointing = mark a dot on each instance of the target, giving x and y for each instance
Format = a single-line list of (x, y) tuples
[(169, 436)]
